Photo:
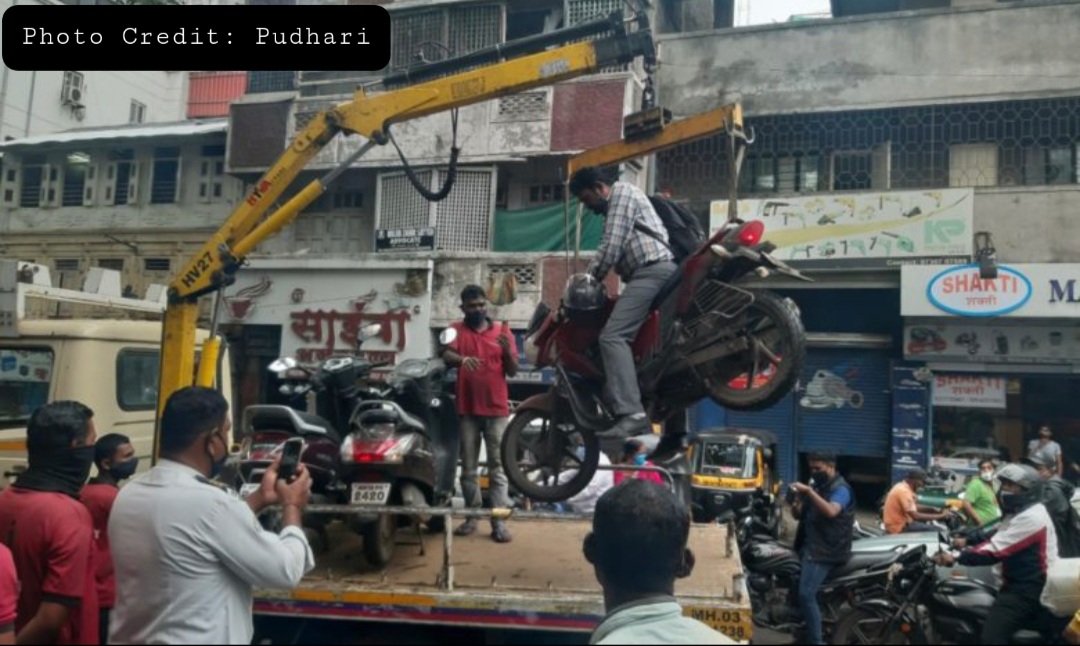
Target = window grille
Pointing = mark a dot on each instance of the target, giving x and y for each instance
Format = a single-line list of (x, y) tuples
[(1001, 143)]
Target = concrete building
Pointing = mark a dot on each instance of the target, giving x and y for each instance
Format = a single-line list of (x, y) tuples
[(34, 103), (901, 133)]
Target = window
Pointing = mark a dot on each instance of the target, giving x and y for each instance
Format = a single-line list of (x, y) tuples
[(25, 377), (33, 176), (973, 164), (852, 171), (211, 173), (545, 193), (137, 379), (137, 113), (461, 29), (116, 264), (157, 264), (166, 175), (1056, 165), (349, 200), (77, 173), (787, 173), (121, 177)]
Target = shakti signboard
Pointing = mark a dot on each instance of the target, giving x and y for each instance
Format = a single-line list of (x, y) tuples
[(1024, 290)]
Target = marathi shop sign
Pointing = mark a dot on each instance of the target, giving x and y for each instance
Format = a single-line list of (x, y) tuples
[(1046, 290)]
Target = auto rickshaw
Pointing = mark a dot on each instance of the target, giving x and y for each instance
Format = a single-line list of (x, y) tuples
[(733, 468)]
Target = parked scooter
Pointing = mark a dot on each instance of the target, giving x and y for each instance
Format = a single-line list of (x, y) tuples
[(266, 427), (401, 449)]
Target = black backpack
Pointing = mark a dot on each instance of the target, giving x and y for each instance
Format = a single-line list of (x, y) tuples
[(685, 235)]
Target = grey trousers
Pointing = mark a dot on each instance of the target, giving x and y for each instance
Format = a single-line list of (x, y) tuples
[(491, 428), (620, 374)]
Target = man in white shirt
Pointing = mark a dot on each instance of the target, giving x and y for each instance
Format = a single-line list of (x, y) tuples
[(189, 551)]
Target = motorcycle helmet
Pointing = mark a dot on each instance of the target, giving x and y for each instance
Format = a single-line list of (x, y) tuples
[(584, 296), (1027, 478)]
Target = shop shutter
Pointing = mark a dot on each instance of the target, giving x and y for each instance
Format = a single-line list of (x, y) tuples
[(844, 404)]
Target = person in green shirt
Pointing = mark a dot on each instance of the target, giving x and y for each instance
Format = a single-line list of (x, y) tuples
[(980, 499)]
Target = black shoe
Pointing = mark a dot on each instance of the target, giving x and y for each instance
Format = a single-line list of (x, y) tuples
[(499, 532), (670, 445), (627, 427), (466, 528)]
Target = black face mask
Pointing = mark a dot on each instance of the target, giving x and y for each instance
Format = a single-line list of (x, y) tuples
[(1011, 502), (124, 470), (601, 206), (58, 470), (475, 318), (216, 466), (819, 478)]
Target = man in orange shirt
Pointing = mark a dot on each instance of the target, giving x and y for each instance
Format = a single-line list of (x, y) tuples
[(902, 511)]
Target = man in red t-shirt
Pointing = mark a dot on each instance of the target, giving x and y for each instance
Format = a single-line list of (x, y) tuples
[(9, 596), (49, 532), (115, 459), (485, 356)]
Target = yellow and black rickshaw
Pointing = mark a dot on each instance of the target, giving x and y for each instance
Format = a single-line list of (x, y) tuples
[(734, 469)]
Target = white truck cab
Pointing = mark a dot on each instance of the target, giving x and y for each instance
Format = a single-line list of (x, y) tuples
[(109, 364)]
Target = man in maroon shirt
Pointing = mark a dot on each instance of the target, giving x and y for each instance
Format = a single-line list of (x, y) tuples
[(115, 459), (50, 533), (9, 596), (485, 356)]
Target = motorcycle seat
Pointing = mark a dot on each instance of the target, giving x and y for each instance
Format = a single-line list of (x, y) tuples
[(669, 286), (263, 417), (862, 560)]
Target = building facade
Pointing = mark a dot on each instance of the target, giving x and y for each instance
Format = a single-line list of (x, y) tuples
[(911, 134)]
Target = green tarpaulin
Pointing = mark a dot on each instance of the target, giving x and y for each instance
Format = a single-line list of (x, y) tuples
[(544, 229)]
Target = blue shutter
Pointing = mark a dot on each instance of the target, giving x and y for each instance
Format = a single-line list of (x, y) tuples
[(844, 403)]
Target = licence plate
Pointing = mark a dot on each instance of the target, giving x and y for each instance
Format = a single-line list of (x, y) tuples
[(249, 488), (364, 493)]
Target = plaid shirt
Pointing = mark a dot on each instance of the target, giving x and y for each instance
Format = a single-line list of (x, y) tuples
[(622, 246)]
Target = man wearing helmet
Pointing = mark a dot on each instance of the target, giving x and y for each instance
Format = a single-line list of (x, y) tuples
[(644, 263), (1026, 546)]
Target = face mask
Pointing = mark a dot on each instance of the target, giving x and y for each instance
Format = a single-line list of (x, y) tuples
[(216, 465), (639, 460), (988, 477), (1010, 502), (475, 318), (124, 470), (64, 470), (819, 478), (601, 206)]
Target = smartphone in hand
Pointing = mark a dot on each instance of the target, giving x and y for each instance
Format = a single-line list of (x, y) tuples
[(290, 458)]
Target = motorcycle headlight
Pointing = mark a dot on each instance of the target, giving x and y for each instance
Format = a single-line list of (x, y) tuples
[(376, 432)]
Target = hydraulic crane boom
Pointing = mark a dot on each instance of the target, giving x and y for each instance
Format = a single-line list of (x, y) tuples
[(214, 266)]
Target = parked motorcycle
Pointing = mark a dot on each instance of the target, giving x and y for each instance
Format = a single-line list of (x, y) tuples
[(268, 426), (773, 571), (401, 450), (920, 607), (704, 336)]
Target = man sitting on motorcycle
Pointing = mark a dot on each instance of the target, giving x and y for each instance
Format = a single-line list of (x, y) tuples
[(1026, 546), (644, 263)]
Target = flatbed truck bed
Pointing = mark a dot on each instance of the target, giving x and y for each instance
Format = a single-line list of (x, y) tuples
[(539, 582)]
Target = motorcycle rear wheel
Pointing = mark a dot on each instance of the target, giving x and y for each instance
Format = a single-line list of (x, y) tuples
[(861, 626), (519, 445), (774, 322)]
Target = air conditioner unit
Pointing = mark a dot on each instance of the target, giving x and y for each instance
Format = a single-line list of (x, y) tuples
[(72, 94)]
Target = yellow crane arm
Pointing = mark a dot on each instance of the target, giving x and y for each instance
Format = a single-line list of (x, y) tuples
[(660, 136), (214, 266)]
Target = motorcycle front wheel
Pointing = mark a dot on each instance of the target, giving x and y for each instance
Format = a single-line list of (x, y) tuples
[(764, 373), (539, 459)]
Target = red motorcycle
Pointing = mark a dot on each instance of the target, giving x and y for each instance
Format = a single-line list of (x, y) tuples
[(705, 336)]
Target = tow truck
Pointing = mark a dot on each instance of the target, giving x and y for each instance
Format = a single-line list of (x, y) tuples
[(539, 586)]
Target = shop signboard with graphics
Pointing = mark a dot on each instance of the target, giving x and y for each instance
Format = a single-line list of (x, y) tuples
[(863, 230), (911, 421), (969, 391), (321, 306), (1019, 291), (999, 341)]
